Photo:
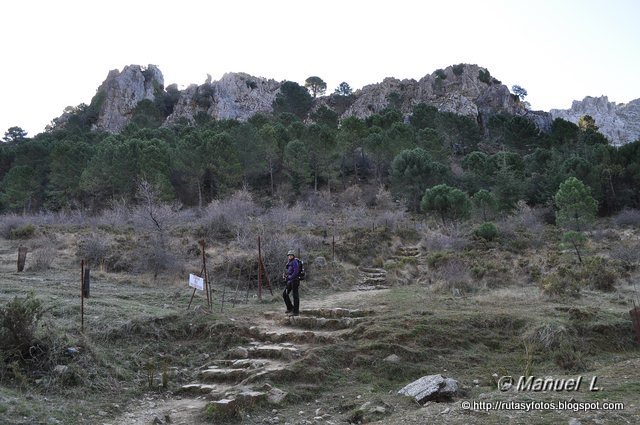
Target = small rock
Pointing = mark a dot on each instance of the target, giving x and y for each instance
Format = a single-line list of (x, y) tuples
[(359, 397), (102, 413), (393, 358), (319, 411), (574, 421), (320, 262), (61, 369), (156, 421), (378, 409), (476, 381), (431, 387), (445, 411), (301, 412), (239, 352)]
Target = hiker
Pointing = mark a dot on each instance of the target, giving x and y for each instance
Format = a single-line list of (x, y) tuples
[(292, 276)]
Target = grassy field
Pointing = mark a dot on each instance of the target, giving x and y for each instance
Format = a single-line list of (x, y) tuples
[(473, 313)]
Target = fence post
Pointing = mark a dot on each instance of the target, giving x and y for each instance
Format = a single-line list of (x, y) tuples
[(22, 257)]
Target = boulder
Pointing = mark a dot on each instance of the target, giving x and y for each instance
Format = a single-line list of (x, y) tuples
[(431, 388)]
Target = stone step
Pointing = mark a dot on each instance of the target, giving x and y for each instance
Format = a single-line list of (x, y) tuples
[(336, 312), (290, 335), (373, 279), (373, 275), (217, 374), (274, 351), (370, 287), (321, 322), (372, 270), (326, 312), (199, 388)]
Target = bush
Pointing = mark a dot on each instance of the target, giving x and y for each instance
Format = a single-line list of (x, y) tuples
[(18, 325), (561, 283), (9, 223), (458, 69), (487, 231), (24, 232), (95, 249), (627, 217), (42, 258), (599, 274)]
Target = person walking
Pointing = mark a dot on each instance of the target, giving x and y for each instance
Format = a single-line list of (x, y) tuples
[(292, 275)]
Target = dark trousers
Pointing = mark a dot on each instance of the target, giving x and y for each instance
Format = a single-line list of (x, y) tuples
[(292, 287)]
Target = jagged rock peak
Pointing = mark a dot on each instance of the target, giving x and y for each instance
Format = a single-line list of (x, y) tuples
[(235, 96), (121, 92), (618, 122), (464, 89)]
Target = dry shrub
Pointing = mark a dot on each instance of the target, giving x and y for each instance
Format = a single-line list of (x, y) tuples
[(454, 239), (228, 218), (281, 216), (627, 252), (156, 256), (524, 227), (599, 274), (9, 223), (454, 276), (320, 202), (384, 200), (547, 336), (356, 217), (95, 248), (42, 258), (627, 217), (352, 196)]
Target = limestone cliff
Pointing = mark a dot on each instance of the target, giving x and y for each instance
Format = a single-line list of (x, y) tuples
[(463, 89), (619, 122), (122, 91), (235, 96)]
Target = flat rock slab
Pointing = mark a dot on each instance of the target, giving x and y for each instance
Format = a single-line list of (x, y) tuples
[(222, 375), (331, 313), (274, 351), (321, 322), (198, 388), (431, 387)]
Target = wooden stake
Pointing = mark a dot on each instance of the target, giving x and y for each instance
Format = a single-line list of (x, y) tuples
[(82, 295)]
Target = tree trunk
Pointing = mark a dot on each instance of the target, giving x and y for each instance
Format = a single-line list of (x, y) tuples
[(577, 252)]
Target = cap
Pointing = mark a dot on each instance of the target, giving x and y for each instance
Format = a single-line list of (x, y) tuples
[(291, 252)]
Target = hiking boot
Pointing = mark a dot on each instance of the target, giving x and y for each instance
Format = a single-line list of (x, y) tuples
[(289, 312), (295, 314)]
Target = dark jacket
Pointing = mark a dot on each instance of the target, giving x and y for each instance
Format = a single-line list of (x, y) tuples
[(293, 270)]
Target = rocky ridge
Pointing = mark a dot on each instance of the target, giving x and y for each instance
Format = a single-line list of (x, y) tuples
[(618, 122), (463, 89)]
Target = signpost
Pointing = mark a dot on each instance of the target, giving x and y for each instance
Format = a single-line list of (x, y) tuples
[(201, 282)]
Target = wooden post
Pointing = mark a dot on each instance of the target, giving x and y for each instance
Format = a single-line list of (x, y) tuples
[(259, 270), (333, 248), (82, 296), (22, 257), (205, 275), (86, 285)]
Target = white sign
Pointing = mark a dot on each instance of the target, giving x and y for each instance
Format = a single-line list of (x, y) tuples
[(196, 282)]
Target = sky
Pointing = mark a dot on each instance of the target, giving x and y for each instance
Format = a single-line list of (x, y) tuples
[(56, 53)]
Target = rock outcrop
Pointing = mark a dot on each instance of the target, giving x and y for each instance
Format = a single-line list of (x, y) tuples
[(235, 96), (618, 122), (121, 92), (463, 89)]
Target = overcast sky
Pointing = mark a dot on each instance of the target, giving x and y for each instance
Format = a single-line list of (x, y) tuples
[(56, 53)]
